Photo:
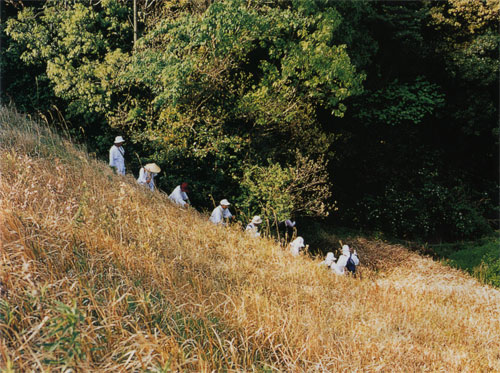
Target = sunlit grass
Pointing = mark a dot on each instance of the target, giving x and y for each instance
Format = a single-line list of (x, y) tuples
[(103, 275)]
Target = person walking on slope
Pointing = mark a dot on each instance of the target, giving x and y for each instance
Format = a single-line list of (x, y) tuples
[(117, 156), (252, 227), (346, 260), (179, 195), (221, 212), (147, 175)]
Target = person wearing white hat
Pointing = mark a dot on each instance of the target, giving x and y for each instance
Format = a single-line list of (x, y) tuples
[(252, 227), (147, 175), (221, 212), (117, 156), (341, 264), (329, 260), (296, 245)]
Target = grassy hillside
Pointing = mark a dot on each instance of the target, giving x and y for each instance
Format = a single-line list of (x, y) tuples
[(99, 274)]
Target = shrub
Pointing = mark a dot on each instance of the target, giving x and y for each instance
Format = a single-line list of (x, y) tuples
[(279, 193)]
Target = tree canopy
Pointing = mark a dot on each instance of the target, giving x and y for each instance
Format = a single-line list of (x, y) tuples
[(384, 113)]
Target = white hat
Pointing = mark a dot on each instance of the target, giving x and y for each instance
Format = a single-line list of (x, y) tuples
[(298, 242), (256, 219), (224, 202), (118, 139), (345, 250), (329, 258), (152, 167)]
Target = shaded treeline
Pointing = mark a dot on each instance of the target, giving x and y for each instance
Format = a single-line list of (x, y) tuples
[(384, 114)]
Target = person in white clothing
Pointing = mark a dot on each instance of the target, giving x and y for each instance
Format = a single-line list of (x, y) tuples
[(117, 156), (329, 260), (340, 267), (296, 245), (147, 175), (221, 212), (179, 195), (252, 227)]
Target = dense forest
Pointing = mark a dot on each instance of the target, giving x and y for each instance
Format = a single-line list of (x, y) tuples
[(375, 115)]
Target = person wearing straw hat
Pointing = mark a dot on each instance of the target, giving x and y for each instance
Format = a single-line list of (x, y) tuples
[(252, 228), (221, 212), (179, 195), (117, 156), (296, 245), (340, 267), (147, 175)]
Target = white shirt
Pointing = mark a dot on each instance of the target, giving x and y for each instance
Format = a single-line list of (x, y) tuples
[(252, 230), (116, 159), (339, 267), (329, 260), (296, 245), (143, 177), (178, 196), (219, 214)]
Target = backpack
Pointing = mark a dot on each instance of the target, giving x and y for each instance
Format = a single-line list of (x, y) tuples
[(351, 267)]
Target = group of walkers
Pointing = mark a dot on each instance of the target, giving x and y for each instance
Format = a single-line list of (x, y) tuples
[(147, 173), (347, 262)]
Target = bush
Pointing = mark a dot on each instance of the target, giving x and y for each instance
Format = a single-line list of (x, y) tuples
[(278, 193), (488, 271)]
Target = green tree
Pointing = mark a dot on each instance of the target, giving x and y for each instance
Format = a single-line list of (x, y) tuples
[(420, 116), (77, 47), (237, 85)]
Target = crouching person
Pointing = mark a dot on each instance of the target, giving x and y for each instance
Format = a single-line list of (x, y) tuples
[(252, 227), (296, 245), (147, 175), (329, 260), (221, 212), (179, 195), (347, 262)]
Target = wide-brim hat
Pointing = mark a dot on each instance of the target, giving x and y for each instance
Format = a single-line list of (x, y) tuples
[(225, 202), (330, 257), (119, 139), (256, 219), (152, 167)]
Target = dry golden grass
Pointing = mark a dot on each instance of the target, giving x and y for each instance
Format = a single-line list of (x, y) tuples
[(100, 274)]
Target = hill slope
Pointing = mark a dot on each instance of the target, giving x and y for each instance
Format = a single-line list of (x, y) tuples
[(99, 274)]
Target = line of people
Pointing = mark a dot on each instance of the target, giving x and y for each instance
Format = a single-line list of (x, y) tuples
[(147, 173), (221, 214), (346, 263)]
